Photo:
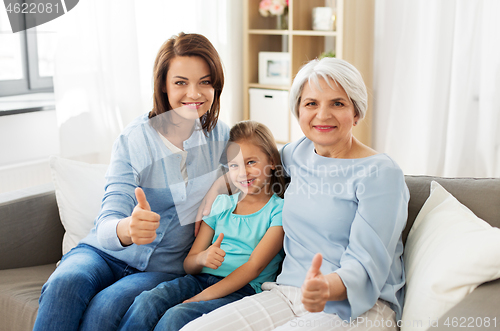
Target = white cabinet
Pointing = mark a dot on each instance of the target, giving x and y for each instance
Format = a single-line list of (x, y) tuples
[(270, 107)]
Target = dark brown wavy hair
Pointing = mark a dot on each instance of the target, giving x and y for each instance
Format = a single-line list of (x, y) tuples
[(184, 44)]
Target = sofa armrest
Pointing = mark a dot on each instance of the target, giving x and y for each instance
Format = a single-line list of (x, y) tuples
[(474, 310), (31, 230)]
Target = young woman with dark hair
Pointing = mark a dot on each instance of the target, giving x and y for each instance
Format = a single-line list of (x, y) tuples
[(162, 165)]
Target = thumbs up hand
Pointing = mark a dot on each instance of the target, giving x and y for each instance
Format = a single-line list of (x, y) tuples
[(143, 222), (213, 256), (315, 289)]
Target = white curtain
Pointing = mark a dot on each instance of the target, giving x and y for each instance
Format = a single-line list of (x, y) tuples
[(437, 86), (104, 64)]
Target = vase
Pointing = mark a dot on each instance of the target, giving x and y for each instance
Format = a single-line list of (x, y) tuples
[(282, 22)]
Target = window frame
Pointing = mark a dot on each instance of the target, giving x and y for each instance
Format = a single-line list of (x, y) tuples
[(31, 82)]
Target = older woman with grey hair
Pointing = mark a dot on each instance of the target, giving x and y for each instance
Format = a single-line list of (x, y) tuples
[(344, 213)]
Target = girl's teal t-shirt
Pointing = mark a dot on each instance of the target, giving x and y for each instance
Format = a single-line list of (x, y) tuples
[(242, 233)]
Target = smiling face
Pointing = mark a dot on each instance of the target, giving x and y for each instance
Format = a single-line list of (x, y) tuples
[(189, 87), (326, 116), (249, 168)]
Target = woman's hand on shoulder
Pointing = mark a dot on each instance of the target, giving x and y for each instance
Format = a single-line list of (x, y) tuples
[(140, 227), (220, 186), (205, 207)]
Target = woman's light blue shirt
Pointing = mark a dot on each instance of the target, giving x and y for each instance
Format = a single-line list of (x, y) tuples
[(141, 159), (353, 211), (242, 233)]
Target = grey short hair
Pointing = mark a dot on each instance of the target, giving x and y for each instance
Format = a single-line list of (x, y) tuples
[(342, 72)]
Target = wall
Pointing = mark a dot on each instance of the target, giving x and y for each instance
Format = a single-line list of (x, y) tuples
[(359, 22), (26, 142)]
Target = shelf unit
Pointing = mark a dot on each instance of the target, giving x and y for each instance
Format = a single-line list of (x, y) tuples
[(352, 40)]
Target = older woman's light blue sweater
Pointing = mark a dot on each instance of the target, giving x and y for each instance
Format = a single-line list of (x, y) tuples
[(353, 211)]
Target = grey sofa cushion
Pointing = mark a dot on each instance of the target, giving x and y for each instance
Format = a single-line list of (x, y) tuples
[(30, 229), (478, 308), (481, 195), (19, 293)]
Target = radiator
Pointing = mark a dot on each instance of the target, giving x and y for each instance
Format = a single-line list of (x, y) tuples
[(23, 175)]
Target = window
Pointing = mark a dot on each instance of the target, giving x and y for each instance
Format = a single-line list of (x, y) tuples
[(26, 58)]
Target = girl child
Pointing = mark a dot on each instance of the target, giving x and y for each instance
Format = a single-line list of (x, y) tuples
[(161, 167), (238, 247)]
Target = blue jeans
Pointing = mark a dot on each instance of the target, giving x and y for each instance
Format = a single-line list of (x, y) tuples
[(91, 290), (162, 306)]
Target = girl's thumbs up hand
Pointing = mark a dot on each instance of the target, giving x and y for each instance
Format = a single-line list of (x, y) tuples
[(143, 222), (315, 289), (213, 256)]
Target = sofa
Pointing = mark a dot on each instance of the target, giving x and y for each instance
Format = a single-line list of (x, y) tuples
[(31, 236)]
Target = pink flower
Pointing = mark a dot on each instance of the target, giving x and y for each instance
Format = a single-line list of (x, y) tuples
[(277, 9), (265, 4), (273, 7)]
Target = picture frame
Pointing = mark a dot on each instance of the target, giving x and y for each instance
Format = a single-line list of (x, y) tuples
[(274, 68)]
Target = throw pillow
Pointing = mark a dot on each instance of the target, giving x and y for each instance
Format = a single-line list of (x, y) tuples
[(449, 252), (79, 190)]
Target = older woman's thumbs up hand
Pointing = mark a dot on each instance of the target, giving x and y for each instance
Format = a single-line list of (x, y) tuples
[(315, 289)]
